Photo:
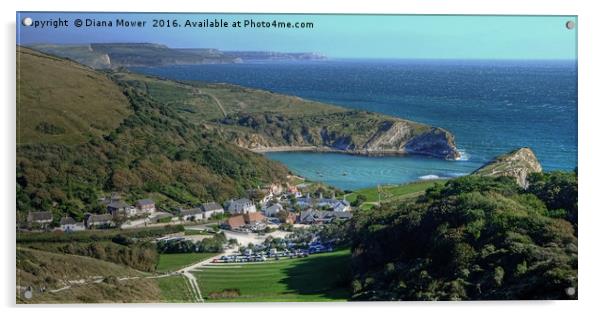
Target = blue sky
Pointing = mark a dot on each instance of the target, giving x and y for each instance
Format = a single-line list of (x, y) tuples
[(337, 36)]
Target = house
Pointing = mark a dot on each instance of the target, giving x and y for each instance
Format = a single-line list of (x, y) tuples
[(117, 208), (211, 209), (39, 218), (273, 210), (249, 219), (235, 222), (68, 224), (98, 220), (145, 206), (193, 214), (342, 206), (241, 206), (310, 216), (253, 218), (318, 217), (305, 201)]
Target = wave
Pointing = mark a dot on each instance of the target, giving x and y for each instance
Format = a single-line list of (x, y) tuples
[(429, 177), (464, 156)]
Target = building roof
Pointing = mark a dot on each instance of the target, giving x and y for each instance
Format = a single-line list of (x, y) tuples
[(342, 215), (236, 221), (40, 216), (192, 211), (92, 218), (242, 201), (117, 204), (211, 206), (145, 202), (67, 221), (253, 217), (276, 206)]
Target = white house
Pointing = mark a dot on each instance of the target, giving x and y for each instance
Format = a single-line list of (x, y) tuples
[(210, 209), (145, 206), (241, 206), (68, 224), (193, 214), (273, 210)]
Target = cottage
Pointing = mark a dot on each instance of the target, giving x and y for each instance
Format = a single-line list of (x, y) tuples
[(99, 220), (318, 217), (310, 216), (273, 210), (145, 206), (68, 224), (194, 214), (117, 208), (305, 201), (241, 206), (235, 222), (254, 218), (342, 206), (211, 209), (39, 218)]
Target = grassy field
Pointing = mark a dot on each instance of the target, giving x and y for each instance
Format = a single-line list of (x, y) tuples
[(41, 269), (174, 289), (394, 192), (49, 113), (175, 261), (321, 277), (199, 101)]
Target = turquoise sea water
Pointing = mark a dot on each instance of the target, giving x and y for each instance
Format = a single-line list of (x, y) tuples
[(490, 106)]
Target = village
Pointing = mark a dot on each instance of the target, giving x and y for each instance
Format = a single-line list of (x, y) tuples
[(278, 207)]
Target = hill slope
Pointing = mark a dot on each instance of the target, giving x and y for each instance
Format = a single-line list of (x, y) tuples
[(61, 102), (152, 151), (474, 238), (79, 280), (265, 121)]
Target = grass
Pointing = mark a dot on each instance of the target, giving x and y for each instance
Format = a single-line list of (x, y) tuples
[(393, 192), (41, 269), (321, 277), (176, 261), (175, 289), (61, 102)]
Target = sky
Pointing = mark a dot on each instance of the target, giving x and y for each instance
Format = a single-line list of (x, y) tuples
[(336, 36)]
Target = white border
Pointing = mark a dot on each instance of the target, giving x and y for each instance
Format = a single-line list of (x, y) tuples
[(589, 149)]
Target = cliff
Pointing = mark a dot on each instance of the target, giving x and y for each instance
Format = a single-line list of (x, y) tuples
[(114, 55), (518, 164), (352, 132)]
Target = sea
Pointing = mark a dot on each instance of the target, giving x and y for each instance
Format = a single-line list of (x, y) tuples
[(490, 106)]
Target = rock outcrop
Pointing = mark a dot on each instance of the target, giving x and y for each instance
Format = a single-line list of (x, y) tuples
[(518, 164), (349, 132)]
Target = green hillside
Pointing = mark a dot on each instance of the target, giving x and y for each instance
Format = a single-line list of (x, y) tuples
[(473, 238), (79, 280), (62, 102), (151, 150), (260, 120)]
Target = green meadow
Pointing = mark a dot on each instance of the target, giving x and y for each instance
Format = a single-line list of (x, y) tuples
[(389, 193), (320, 277), (175, 261)]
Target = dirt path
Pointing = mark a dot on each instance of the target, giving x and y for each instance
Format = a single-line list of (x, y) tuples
[(217, 101), (192, 281)]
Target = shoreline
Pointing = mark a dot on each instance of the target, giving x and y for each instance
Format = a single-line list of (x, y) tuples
[(325, 149)]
